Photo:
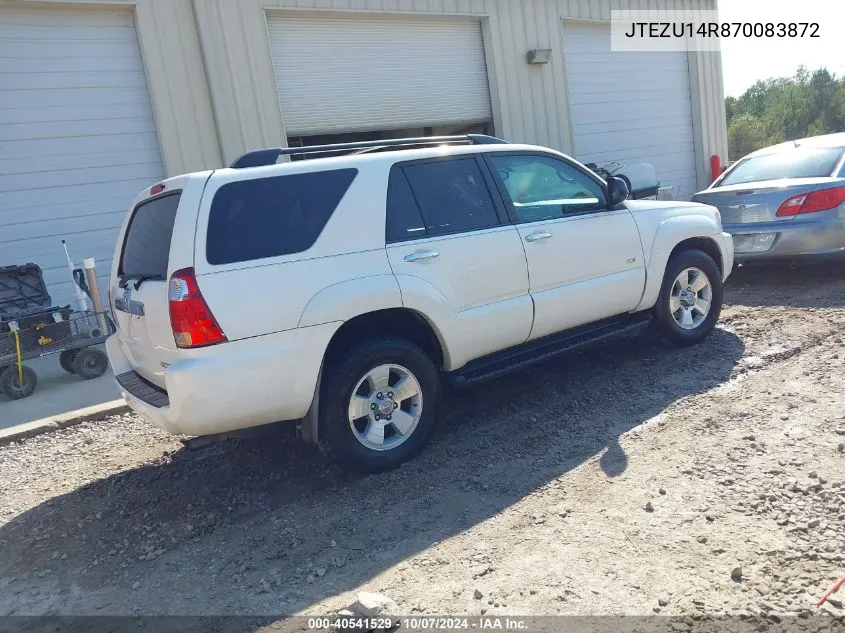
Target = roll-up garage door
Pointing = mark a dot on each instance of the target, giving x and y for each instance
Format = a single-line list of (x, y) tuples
[(77, 138), (360, 73), (630, 107)]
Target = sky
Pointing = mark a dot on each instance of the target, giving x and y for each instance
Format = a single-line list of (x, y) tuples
[(745, 61)]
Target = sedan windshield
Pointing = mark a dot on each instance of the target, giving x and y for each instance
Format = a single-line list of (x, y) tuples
[(796, 163)]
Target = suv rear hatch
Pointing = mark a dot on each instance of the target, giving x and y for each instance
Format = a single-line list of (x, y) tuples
[(157, 239)]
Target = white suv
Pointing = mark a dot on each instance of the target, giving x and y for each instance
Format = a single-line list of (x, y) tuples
[(340, 291)]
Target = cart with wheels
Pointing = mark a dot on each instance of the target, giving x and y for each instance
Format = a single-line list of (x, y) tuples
[(31, 327)]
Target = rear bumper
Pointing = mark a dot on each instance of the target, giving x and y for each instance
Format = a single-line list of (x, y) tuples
[(229, 387), (803, 237)]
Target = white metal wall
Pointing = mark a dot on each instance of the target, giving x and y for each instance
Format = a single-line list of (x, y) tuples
[(201, 54), (77, 136), (530, 103)]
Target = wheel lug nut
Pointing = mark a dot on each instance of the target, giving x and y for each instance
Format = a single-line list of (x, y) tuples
[(380, 395), (390, 395), (395, 406), (389, 418), (373, 406), (378, 418)]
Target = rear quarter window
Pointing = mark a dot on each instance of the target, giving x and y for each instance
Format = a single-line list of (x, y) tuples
[(146, 246), (272, 217)]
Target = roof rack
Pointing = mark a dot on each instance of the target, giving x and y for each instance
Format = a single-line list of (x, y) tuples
[(263, 157)]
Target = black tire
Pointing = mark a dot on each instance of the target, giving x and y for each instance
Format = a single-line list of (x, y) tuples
[(10, 383), (665, 322), (66, 359), (90, 363), (336, 436)]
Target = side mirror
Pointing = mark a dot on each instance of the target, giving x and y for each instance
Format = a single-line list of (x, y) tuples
[(617, 191)]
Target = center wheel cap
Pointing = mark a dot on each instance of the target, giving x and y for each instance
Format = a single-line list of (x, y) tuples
[(386, 407)]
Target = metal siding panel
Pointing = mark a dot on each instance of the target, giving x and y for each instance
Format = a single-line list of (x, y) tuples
[(79, 140), (531, 103), (419, 72), (233, 35), (179, 89)]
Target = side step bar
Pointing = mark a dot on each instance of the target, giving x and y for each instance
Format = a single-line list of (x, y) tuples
[(516, 358)]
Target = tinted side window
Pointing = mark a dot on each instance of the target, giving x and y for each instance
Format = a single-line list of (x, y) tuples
[(404, 220), (270, 217), (544, 188), (452, 195), (146, 247)]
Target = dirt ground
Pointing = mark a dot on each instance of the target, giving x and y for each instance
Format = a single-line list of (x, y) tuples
[(628, 479)]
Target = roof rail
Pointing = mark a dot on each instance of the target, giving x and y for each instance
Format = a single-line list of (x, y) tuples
[(263, 157)]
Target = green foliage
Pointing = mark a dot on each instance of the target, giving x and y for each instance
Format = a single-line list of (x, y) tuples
[(746, 134), (786, 108)]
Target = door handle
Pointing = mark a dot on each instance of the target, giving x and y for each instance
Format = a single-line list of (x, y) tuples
[(422, 256), (536, 237)]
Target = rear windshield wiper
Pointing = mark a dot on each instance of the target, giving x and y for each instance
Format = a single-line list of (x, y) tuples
[(138, 279)]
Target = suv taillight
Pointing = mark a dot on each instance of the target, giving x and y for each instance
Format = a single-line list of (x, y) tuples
[(190, 317), (822, 200)]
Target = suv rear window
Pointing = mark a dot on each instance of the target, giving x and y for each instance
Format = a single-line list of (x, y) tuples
[(146, 247), (796, 163), (271, 217)]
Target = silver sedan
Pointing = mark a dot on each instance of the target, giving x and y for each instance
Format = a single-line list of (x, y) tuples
[(786, 201)]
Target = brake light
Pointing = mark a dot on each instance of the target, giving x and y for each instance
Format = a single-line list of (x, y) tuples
[(822, 200), (156, 189), (190, 317)]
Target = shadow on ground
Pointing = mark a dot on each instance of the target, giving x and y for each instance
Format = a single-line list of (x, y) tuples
[(818, 285), (266, 526)]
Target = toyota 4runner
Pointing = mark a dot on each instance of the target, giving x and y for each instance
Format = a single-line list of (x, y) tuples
[(340, 291)]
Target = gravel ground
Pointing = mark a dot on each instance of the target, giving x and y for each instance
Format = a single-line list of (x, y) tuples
[(628, 479)]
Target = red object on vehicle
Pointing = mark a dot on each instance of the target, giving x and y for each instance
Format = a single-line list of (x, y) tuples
[(822, 200), (155, 189), (190, 317), (716, 168)]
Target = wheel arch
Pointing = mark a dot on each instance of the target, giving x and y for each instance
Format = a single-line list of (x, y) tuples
[(403, 322), (673, 235), (705, 244)]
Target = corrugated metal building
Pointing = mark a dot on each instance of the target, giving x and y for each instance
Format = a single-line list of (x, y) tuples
[(100, 99)]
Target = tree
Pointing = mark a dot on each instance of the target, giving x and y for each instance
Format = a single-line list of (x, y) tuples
[(746, 134), (786, 108)]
